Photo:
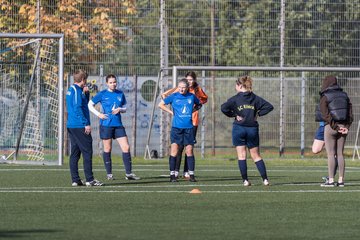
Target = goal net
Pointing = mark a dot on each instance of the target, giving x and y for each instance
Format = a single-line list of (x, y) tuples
[(29, 100)]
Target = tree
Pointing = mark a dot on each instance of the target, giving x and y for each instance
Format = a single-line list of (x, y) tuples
[(90, 27)]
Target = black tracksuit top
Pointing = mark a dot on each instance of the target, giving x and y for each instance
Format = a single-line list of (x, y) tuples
[(248, 106)]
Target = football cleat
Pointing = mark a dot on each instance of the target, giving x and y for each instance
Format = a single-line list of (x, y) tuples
[(246, 183), (173, 178), (94, 183), (328, 184), (186, 175), (192, 178), (110, 177), (78, 183), (266, 182), (131, 176)]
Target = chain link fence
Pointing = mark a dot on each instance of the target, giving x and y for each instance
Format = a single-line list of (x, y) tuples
[(219, 33)]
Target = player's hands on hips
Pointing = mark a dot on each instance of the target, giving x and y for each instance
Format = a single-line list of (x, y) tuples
[(103, 116), (239, 118), (115, 111), (87, 129)]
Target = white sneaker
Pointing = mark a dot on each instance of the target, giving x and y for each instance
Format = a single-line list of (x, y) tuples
[(176, 174), (246, 183), (266, 182), (131, 176), (94, 183)]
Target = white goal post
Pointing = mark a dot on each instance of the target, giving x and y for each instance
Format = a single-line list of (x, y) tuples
[(27, 89), (280, 92)]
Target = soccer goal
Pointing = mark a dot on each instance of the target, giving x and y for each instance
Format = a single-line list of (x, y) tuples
[(31, 98), (293, 91)]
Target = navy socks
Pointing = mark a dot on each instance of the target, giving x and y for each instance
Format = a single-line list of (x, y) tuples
[(262, 169), (191, 164), (107, 162), (172, 164), (243, 169), (127, 162)]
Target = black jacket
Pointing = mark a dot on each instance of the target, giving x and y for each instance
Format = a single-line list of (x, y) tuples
[(330, 86), (248, 106)]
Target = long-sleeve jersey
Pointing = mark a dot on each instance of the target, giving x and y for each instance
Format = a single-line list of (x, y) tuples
[(198, 92), (77, 107), (248, 106)]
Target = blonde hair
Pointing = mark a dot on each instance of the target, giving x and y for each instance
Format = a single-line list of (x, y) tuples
[(246, 81), (80, 75)]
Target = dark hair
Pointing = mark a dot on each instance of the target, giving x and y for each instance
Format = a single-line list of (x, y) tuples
[(110, 76), (246, 81), (183, 80), (193, 76), (80, 75)]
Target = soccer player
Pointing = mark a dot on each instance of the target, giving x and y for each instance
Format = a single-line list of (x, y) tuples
[(245, 107), (113, 103), (319, 142), (182, 133), (79, 129), (194, 88)]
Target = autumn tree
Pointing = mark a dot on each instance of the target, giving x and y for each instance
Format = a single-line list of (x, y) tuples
[(90, 27)]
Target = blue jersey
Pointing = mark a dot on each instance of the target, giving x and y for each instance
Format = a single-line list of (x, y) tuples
[(109, 101), (78, 111), (183, 106)]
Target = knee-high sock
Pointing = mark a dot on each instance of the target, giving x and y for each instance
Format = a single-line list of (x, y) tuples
[(262, 169), (107, 162), (172, 164), (191, 164), (186, 166), (127, 162), (243, 169), (178, 157)]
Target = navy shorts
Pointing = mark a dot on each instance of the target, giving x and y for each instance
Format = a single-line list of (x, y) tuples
[(319, 135), (182, 136), (245, 136), (112, 132)]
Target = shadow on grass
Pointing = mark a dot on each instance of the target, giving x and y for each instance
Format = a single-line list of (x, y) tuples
[(24, 233), (165, 179)]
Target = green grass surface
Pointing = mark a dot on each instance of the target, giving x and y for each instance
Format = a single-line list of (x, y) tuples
[(37, 202)]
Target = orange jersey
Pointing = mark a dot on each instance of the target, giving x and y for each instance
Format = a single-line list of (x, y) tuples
[(198, 92)]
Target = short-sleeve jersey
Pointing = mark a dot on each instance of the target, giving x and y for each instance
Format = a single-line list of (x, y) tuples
[(109, 101), (182, 107)]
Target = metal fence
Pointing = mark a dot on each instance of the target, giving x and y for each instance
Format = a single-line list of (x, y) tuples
[(161, 34), (293, 128)]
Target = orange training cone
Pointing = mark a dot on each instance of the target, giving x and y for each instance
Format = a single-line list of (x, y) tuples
[(195, 191)]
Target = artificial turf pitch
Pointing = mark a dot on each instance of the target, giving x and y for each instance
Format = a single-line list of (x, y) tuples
[(38, 202)]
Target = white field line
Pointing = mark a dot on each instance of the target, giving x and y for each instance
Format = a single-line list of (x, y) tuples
[(145, 189), (179, 191), (165, 170)]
